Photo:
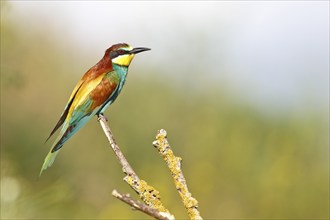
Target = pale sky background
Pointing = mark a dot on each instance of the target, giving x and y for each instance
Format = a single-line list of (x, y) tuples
[(273, 53)]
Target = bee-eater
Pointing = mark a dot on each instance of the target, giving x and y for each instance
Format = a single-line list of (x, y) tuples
[(95, 91)]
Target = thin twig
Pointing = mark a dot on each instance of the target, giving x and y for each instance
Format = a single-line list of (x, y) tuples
[(127, 169), (140, 206), (174, 165), (147, 193)]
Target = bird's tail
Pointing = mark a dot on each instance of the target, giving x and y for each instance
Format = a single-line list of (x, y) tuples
[(49, 160)]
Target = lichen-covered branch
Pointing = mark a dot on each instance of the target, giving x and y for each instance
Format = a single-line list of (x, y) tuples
[(147, 193), (174, 165), (141, 206)]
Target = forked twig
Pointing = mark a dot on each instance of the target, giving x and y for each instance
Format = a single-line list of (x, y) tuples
[(149, 195)]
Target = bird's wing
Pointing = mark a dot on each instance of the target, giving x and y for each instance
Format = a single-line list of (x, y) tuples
[(92, 75), (86, 103), (90, 94), (66, 109)]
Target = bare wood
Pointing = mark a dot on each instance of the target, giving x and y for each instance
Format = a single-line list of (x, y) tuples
[(140, 206), (149, 195), (174, 165), (127, 169)]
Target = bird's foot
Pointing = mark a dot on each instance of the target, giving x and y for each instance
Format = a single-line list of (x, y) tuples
[(100, 116)]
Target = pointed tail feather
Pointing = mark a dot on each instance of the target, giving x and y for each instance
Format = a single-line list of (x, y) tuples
[(49, 160)]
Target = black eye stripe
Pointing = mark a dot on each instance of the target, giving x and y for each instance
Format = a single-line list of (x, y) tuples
[(114, 54)]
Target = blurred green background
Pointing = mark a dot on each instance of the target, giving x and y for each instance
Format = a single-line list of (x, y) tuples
[(242, 89)]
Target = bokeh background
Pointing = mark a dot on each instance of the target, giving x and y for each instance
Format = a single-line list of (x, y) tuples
[(241, 87)]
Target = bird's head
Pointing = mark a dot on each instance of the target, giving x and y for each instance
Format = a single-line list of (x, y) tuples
[(122, 54)]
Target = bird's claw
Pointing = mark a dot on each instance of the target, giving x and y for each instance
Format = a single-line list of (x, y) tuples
[(100, 116)]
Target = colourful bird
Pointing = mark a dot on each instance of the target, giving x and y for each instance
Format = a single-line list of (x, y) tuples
[(95, 91)]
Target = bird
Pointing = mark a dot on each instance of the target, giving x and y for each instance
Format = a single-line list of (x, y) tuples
[(95, 91)]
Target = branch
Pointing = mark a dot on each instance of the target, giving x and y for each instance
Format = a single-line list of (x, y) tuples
[(127, 169), (147, 193), (140, 206), (174, 165)]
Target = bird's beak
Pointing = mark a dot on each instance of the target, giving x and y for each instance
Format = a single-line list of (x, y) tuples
[(138, 50)]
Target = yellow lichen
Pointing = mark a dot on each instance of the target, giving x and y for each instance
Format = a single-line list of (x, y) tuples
[(151, 196), (174, 164), (147, 193)]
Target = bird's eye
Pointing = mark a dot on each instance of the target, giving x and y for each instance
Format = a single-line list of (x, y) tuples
[(117, 53), (121, 52)]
